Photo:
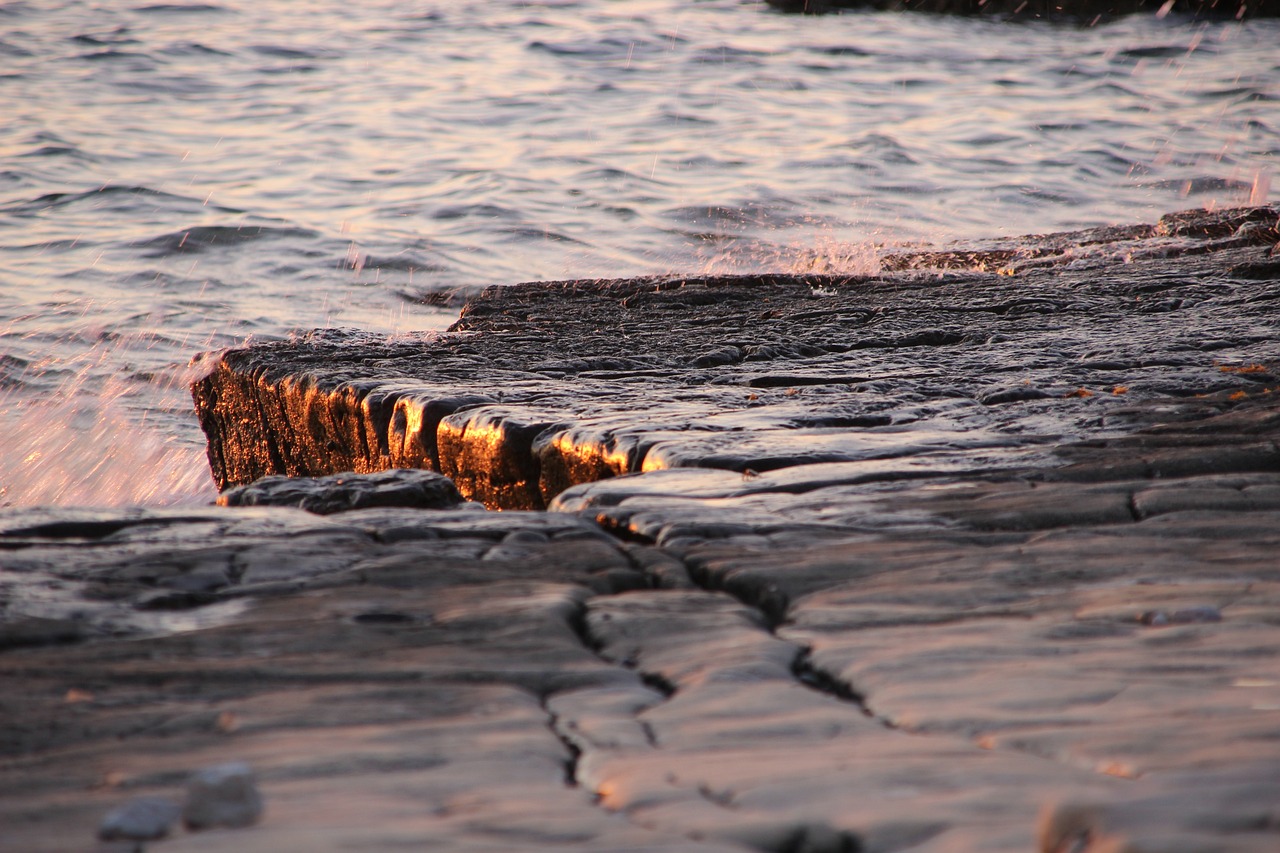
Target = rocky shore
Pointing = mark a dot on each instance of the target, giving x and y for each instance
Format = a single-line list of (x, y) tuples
[(974, 554)]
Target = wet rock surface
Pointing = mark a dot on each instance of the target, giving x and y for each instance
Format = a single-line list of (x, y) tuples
[(957, 360), (947, 560), (341, 492), (394, 696)]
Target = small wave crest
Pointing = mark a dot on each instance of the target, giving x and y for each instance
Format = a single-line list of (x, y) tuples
[(824, 255), (111, 198), (204, 237)]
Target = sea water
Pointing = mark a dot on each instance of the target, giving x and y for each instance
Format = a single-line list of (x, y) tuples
[(177, 178)]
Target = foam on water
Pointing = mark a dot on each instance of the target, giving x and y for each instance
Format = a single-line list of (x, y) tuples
[(181, 178)]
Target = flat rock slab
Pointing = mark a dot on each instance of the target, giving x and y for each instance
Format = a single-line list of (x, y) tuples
[(485, 681), (953, 361), (393, 695)]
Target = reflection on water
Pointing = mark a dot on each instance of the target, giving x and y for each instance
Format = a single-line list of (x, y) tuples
[(176, 178)]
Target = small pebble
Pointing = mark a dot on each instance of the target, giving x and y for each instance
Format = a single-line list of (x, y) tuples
[(1200, 613), (224, 795), (140, 819), (1184, 616)]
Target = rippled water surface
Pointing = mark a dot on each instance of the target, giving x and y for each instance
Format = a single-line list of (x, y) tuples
[(175, 178)]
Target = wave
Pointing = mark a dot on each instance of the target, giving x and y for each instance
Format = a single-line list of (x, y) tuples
[(612, 47), (481, 210), (530, 232), (204, 237), (12, 369), (120, 35), (180, 9), (192, 48), (279, 52), (402, 263), (110, 199), (1200, 184)]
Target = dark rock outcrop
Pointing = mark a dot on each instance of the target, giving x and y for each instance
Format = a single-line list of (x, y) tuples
[(1085, 11), (342, 492)]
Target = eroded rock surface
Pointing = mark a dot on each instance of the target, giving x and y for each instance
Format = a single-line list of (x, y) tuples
[(394, 696)]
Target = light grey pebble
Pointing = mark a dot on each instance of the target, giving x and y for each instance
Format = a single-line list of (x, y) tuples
[(1199, 613), (140, 819), (223, 795), (1185, 616)]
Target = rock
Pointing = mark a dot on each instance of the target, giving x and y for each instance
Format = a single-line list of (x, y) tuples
[(160, 570), (407, 702), (343, 492), (958, 359), (819, 572), (222, 796), (40, 631), (140, 819), (1190, 812), (1086, 11)]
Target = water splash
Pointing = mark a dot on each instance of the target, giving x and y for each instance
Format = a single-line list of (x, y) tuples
[(88, 444), (824, 254)]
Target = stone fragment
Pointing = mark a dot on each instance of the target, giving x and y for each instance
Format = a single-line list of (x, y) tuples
[(140, 819), (347, 491), (225, 795), (1182, 616), (40, 631)]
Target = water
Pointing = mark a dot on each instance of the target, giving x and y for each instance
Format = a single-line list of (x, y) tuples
[(178, 178)]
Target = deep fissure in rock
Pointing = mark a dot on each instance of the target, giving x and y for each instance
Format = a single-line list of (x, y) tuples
[(815, 678), (575, 752)]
